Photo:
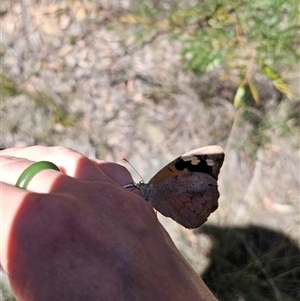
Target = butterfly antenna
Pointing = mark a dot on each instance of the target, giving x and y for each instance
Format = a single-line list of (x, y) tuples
[(142, 180)]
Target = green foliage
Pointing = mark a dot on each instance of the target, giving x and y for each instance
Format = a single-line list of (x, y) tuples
[(60, 112), (5, 291), (147, 9), (8, 87), (73, 40), (277, 80), (245, 35), (252, 263)]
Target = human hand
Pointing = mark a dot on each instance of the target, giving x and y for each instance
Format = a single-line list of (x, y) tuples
[(79, 235)]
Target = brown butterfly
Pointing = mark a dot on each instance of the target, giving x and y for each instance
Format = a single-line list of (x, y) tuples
[(186, 189)]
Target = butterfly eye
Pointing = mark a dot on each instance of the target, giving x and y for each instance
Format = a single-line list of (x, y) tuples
[(205, 157)]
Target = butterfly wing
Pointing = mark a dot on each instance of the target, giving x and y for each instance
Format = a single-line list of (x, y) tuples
[(208, 159), (188, 198), (186, 189)]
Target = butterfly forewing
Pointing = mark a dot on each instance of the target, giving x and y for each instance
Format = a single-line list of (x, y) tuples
[(208, 159)]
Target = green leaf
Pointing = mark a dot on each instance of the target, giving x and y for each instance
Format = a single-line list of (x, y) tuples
[(239, 97), (277, 80)]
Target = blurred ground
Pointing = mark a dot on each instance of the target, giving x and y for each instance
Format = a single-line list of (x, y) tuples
[(73, 74)]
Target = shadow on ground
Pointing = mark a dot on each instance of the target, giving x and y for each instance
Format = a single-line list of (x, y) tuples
[(252, 264)]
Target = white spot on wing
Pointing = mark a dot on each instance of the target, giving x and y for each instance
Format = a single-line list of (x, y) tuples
[(189, 158), (193, 159), (210, 162)]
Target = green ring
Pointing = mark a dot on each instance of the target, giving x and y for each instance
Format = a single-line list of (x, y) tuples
[(32, 170)]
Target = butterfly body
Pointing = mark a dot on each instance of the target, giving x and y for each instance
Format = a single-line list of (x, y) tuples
[(186, 189)]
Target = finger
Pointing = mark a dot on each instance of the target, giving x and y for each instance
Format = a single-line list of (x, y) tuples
[(69, 161), (117, 173), (49, 180), (42, 181), (10, 202), (114, 171)]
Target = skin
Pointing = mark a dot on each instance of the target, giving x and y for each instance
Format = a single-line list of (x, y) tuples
[(79, 235)]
